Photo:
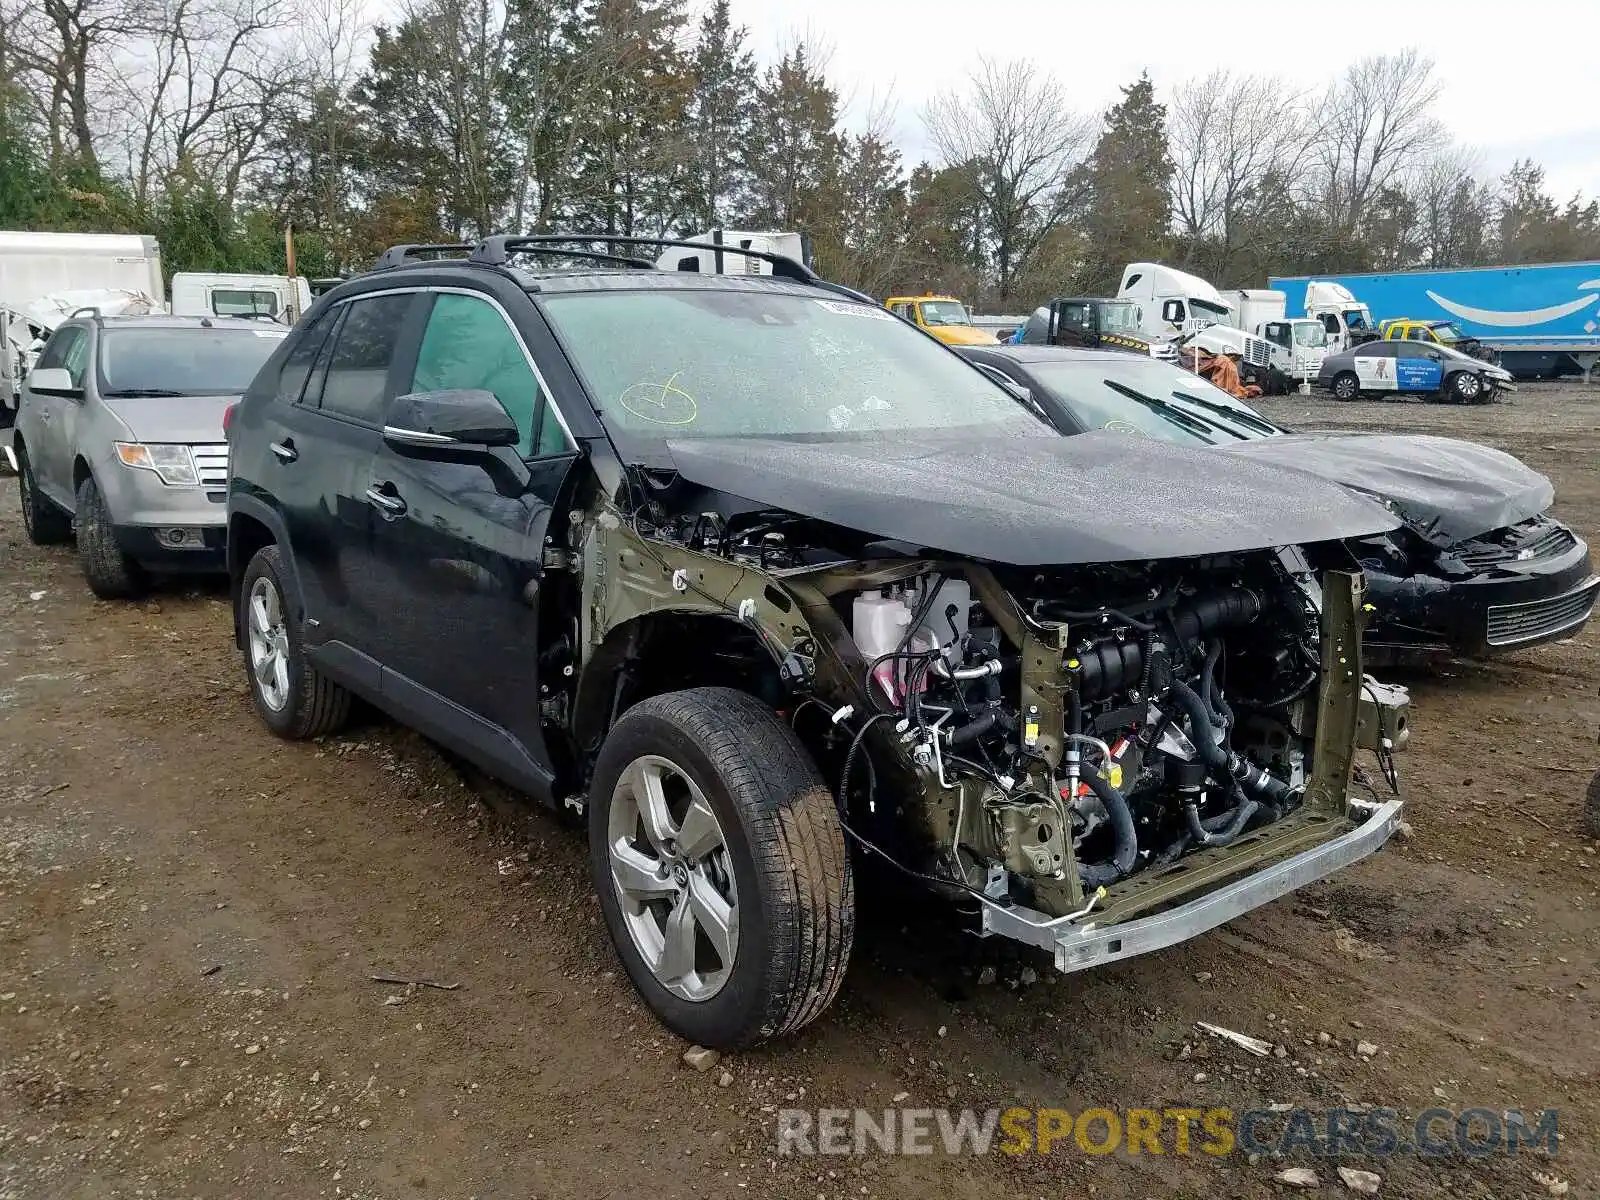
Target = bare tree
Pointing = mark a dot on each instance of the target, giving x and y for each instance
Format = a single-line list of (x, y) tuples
[(1229, 136), (1015, 128), (1376, 122), (1454, 210)]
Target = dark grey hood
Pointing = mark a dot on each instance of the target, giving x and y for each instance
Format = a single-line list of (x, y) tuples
[(1030, 500), (1444, 489)]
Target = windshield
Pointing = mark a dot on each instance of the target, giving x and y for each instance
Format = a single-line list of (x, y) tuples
[(1446, 331), (244, 302), (1310, 333), (1208, 310), (1358, 318), (713, 363), (1155, 399), (1118, 318), (944, 312), (183, 361)]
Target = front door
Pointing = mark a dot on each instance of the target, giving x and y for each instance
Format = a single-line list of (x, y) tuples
[(51, 426), (459, 548)]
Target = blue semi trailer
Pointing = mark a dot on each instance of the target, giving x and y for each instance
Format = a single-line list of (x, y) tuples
[(1542, 319)]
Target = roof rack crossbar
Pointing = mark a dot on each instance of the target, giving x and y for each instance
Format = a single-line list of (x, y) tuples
[(620, 260), (396, 256), (494, 250)]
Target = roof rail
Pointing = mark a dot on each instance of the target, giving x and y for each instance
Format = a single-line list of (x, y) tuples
[(396, 256), (88, 310), (495, 250)]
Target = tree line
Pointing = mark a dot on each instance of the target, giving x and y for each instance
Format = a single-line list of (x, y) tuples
[(212, 124)]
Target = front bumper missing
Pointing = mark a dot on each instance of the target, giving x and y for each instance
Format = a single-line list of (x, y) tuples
[(1079, 944)]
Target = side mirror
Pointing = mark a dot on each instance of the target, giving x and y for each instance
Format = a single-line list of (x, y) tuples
[(55, 380), (1172, 312), (456, 424)]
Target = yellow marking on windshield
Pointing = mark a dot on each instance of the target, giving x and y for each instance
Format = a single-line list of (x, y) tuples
[(657, 402)]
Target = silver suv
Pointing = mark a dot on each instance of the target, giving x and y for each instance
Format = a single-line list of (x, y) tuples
[(119, 438)]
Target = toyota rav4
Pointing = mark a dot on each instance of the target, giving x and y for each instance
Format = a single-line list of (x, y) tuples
[(766, 585)]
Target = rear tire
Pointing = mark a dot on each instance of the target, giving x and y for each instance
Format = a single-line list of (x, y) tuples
[(718, 761), (111, 574), (294, 698), (46, 524), (1346, 386)]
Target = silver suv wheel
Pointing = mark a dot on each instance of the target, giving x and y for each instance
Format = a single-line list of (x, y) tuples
[(673, 879), (269, 644)]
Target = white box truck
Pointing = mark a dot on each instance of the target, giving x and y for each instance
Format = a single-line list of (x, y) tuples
[(215, 294), (73, 269), (715, 261), (1297, 346)]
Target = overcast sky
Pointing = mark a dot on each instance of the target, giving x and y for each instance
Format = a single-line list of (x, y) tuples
[(1519, 79)]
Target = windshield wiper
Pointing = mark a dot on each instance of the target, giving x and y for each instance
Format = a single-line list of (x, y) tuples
[(124, 393), (1187, 422), (1242, 416)]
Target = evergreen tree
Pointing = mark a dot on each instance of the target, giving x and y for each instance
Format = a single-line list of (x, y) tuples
[(720, 111), (1129, 178)]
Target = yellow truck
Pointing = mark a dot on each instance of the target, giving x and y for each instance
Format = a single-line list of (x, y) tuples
[(1441, 333), (945, 317)]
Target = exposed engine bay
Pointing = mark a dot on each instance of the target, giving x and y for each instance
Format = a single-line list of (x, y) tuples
[(1185, 717), (1034, 735)]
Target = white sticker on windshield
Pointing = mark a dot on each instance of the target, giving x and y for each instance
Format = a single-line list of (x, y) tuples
[(856, 310), (276, 335)]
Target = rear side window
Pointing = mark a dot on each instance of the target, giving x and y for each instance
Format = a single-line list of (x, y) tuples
[(467, 344), (363, 349), (297, 364), (70, 349)]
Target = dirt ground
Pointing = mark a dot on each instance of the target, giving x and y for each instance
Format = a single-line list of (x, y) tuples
[(191, 913)]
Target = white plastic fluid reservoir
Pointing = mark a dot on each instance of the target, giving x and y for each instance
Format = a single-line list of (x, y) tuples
[(941, 626), (877, 623)]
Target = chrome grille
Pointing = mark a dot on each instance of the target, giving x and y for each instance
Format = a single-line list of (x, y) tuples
[(1527, 541), (1513, 623), (212, 463)]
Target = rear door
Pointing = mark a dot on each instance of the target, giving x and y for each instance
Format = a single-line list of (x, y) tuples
[(459, 547), (49, 426), (1375, 366)]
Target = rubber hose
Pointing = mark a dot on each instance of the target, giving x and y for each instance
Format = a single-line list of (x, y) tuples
[(1126, 852), (974, 729), (1225, 761), (1108, 666), (1222, 829)]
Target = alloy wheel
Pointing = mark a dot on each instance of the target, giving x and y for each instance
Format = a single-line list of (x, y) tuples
[(269, 644), (673, 877)]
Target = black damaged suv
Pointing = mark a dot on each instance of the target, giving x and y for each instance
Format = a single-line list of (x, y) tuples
[(740, 567)]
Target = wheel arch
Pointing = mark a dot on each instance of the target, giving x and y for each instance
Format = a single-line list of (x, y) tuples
[(666, 651), (251, 527)]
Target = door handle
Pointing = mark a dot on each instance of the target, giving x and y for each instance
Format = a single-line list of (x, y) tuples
[(285, 450), (387, 502)]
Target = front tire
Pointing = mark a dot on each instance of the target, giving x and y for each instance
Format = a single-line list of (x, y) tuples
[(1466, 388), (1346, 386), (721, 867), (110, 574), (46, 524), (294, 698)]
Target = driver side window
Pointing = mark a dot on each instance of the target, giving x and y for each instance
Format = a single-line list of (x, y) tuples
[(70, 349)]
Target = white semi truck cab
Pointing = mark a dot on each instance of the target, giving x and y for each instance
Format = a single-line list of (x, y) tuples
[(1169, 303), (1345, 320), (715, 259)]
